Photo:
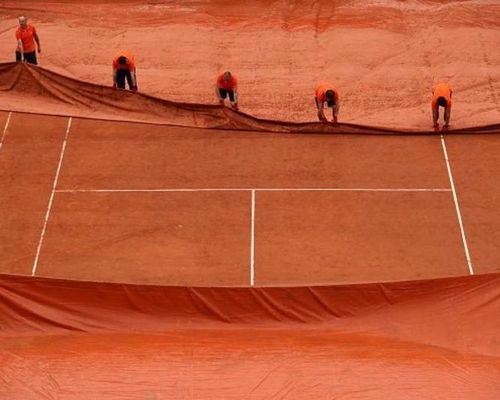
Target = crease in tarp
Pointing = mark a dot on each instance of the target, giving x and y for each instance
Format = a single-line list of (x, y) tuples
[(33, 89)]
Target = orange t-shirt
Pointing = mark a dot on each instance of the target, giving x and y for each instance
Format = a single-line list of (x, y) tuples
[(320, 92), (27, 37), (441, 90), (130, 65), (227, 85)]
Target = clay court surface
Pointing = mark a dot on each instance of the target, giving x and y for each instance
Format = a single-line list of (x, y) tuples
[(156, 245), (135, 203)]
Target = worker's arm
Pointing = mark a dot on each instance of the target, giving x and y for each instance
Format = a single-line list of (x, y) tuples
[(217, 93), (21, 50), (435, 116), (37, 40), (320, 107)]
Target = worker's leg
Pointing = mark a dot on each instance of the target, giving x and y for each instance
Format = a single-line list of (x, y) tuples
[(31, 58), (120, 78), (221, 95), (233, 98), (447, 115), (128, 76), (335, 112)]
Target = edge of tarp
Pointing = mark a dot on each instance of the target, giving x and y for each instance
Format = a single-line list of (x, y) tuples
[(247, 121), (34, 305)]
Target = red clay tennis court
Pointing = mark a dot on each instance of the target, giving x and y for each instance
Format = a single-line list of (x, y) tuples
[(155, 249), (134, 203)]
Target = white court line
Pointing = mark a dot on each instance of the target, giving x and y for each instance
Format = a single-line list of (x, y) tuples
[(5, 129), (252, 241), (457, 206), (51, 199), (256, 190)]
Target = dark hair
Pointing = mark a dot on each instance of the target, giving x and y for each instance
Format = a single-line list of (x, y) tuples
[(330, 97), (122, 60), (442, 101)]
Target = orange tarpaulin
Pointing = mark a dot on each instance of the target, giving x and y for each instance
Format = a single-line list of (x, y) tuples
[(420, 339)]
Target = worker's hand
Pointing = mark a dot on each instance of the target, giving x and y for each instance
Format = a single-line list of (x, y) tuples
[(114, 85), (134, 88), (334, 120), (322, 117), (445, 127), (39, 49), (235, 107), (436, 127)]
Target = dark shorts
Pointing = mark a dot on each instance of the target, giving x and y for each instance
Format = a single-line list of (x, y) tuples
[(28, 57), (121, 75), (224, 93)]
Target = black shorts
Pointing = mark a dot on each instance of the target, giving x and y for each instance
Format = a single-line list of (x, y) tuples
[(28, 57), (224, 93), (121, 75)]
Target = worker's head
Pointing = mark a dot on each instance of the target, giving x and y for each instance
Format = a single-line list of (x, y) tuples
[(122, 60), (441, 101), (330, 97), (227, 76), (23, 22)]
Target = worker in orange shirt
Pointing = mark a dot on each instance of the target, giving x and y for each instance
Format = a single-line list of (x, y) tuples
[(124, 68), (441, 97), (325, 94), (226, 86), (26, 37)]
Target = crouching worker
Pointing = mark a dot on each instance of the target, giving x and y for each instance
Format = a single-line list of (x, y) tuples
[(441, 97), (325, 94), (226, 86), (124, 68)]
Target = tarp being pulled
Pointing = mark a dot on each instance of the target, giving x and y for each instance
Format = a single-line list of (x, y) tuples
[(411, 340), (383, 56), (27, 88)]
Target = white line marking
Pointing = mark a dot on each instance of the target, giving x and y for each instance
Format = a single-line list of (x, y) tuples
[(51, 199), (252, 241), (457, 207), (255, 189), (5, 129)]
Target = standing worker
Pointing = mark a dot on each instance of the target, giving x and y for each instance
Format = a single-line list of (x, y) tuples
[(325, 93), (441, 97), (124, 68), (226, 86), (26, 38)]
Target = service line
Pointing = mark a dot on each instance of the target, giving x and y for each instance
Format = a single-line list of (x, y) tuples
[(457, 206), (254, 190), (51, 199)]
